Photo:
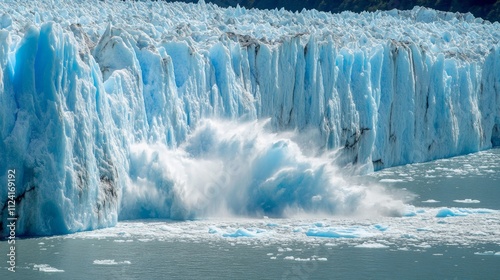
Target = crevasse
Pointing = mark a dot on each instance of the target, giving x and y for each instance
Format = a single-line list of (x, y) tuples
[(88, 90)]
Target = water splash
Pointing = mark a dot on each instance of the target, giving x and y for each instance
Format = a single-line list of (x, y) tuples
[(243, 169)]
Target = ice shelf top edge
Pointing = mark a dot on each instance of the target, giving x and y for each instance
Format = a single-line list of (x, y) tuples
[(203, 25)]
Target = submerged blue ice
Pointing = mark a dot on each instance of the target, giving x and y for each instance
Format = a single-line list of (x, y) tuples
[(113, 109)]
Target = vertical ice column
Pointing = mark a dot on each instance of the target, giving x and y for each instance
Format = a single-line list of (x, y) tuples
[(489, 98), (66, 180)]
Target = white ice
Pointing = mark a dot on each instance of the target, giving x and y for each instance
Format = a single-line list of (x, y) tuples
[(467, 200), (46, 268), (422, 231), (110, 262)]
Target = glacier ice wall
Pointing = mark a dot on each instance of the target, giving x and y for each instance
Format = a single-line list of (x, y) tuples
[(104, 106)]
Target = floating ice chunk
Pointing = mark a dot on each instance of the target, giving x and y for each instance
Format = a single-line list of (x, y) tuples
[(280, 249), (392, 181), (468, 200), (431, 201), (423, 245), (411, 211), (381, 227), (320, 224), (110, 262), (408, 236), (410, 214), (486, 253), (371, 245), (333, 233), (46, 268), (213, 230), (240, 233), (447, 212), (483, 211)]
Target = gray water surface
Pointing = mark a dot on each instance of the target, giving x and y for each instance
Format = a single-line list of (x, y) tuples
[(182, 260)]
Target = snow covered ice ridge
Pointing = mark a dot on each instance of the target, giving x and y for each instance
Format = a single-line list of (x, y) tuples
[(112, 109)]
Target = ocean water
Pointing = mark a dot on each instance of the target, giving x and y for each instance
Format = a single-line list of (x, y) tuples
[(451, 230)]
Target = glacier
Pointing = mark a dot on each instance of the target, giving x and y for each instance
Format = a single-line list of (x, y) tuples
[(129, 110)]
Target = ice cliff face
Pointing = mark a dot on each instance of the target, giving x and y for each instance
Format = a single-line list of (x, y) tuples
[(104, 106)]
